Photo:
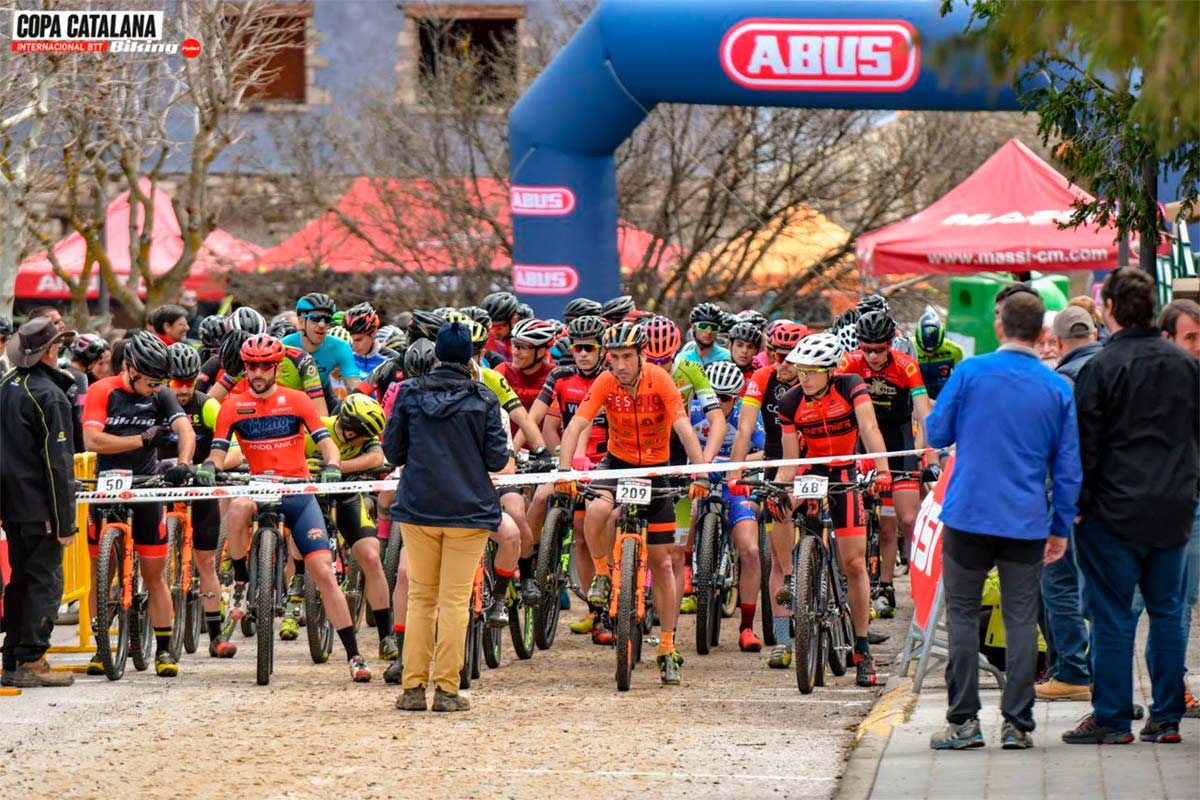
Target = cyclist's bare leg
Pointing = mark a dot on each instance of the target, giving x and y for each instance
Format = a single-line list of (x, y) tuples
[(400, 595), (154, 573), (597, 529), (366, 553), (210, 585), (237, 526), (319, 567), (508, 544), (584, 567), (513, 504), (783, 539), (537, 508), (907, 504), (852, 555), (745, 539), (666, 587)]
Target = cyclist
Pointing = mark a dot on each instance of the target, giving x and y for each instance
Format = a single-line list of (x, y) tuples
[(642, 407), (213, 330), (314, 313), (877, 302), (297, 371), (91, 358), (763, 392), (269, 421), (745, 343), (184, 368), (122, 421), (937, 355), (502, 309), (742, 517), (617, 308), (901, 404), (581, 307), (829, 412), (363, 323), (707, 320)]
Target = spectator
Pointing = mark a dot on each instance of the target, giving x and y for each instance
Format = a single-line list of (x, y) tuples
[(1013, 421), (49, 312), (1070, 675), (1047, 343), (446, 432), (1139, 428), (1180, 323), (190, 301), (37, 498), (1089, 305), (170, 323), (6, 329)]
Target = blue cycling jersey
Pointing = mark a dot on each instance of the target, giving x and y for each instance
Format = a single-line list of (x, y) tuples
[(333, 353), (690, 353), (701, 425)]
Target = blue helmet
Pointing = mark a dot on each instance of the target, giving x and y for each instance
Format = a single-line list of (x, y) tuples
[(931, 333)]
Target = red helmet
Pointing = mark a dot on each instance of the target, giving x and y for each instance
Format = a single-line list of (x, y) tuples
[(785, 336), (638, 315), (662, 338), (262, 348)]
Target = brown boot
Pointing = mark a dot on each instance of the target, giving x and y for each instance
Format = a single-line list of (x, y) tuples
[(450, 702), (35, 674), (1054, 689)]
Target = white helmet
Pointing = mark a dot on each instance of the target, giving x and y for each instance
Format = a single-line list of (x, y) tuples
[(726, 377), (817, 350), (847, 336)]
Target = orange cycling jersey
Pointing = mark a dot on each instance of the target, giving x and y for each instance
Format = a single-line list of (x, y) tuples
[(270, 430), (639, 425)]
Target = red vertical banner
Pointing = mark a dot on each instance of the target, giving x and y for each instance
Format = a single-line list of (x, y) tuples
[(925, 556), (5, 570)]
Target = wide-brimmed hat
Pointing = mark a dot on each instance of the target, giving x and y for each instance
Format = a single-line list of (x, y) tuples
[(32, 339)]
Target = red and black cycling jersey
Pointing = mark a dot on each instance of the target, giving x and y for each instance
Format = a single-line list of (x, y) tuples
[(194, 411), (892, 388), (527, 385), (826, 423), (208, 374), (764, 391), (112, 407), (270, 430), (563, 391)]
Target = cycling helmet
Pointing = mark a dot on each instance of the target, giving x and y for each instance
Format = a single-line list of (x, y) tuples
[(316, 301), (662, 338), (478, 314), (726, 377), (338, 316), (147, 354), (362, 414), (213, 330), (624, 334), (280, 328), (848, 337), (875, 327), (615, 309), (931, 333), (821, 350), (728, 320), (785, 336), (524, 311), (338, 332), (185, 361), (534, 332), (581, 307), (479, 334), (424, 325), (262, 348), (707, 312), (248, 320), (873, 302), (397, 339), (755, 318), (585, 328), (230, 353), (501, 306), (6, 326), (361, 319), (775, 325), (445, 313), (746, 331), (87, 348), (419, 358)]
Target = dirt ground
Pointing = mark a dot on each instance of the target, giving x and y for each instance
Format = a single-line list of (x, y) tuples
[(551, 726)]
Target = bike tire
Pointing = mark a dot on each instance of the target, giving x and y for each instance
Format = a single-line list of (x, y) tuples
[(175, 585), (764, 585), (492, 638), (249, 627), (141, 644), (628, 633), (548, 575), (874, 564), (704, 581), (731, 599), (194, 621), (354, 586), (464, 674), (264, 603), (522, 623), (108, 605), (841, 632), (318, 626), (391, 558), (477, 654), (806, 634)]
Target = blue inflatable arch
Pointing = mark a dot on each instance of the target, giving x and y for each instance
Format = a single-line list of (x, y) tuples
[(631, 55)]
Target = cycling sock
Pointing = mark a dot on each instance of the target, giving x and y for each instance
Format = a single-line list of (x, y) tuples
[(298, 563), (748, 610), (383, 622), (241, 572), (861, 645), (349, 641), (687, 574), (526, 567), (162, 640), (503, 579), (667, 644), (398, 628), (783, 629), (383, 528), (602, 567), (212, 621)]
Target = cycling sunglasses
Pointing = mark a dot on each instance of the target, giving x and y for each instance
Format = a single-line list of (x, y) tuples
[(181, 383), (811, 370), (708, 327), (319, 318), (585, 347), (875, 349), (779, 356), (261, 366)]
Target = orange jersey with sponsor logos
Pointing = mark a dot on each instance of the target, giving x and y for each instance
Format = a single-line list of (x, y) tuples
[(270, 430), (639, 424)]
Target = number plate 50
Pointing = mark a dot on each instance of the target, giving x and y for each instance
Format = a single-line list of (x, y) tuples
[(117, 480), (634, 491), (810, 487)]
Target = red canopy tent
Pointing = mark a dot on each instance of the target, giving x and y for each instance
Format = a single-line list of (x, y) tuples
[(1003, 217), (428, 242), (36, 279)]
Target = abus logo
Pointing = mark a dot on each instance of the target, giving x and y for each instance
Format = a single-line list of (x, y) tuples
[(822, 55), (544, 280), (542, 201)]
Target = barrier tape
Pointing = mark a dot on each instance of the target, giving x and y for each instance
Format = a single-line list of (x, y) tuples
[(264, 489)]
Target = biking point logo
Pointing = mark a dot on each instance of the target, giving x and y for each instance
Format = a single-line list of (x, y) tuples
[(94, 32)]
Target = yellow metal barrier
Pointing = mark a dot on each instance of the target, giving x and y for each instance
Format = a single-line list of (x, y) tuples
[(77, 566)]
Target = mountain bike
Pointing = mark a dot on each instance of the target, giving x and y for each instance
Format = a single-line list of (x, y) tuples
[(553, 570), (714, 568), (182, 581)]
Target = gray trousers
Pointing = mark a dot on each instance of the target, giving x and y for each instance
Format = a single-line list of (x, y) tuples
[(966, 560)]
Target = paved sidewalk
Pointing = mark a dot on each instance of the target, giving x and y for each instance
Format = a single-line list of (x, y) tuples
[(902, 765)]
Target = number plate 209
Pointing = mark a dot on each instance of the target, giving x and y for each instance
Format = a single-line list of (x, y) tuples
[(634, 491)]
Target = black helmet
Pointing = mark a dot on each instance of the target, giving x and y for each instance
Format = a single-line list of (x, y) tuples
[(875, 327), (524, 311), (586, 327), (707, 312), (185, 361), (501, 306), (361, 318), (147, 354), (931, 333), (87, 348), (281, 327), (6, 326), (582, 307), (247, 319), (728, 320), (315, 301), (873, 302), (746, 331), (231, 353), (213, 330), (846, 319), (419, 358), (755, 318), (478, 314), (616, 309), (424, 325)]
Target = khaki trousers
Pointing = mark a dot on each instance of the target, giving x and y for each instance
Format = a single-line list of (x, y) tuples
[(441, 571)]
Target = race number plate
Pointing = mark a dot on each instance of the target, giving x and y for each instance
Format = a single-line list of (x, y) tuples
[(810, 487), (114, 480), (634, 491)]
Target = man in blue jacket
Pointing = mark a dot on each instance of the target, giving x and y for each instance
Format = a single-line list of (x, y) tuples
[(446, 432), (1012, 421)]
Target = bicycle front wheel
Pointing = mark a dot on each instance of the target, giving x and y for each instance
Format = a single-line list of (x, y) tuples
[(704, 582), (141, 645), (110, 612), (806, 641), (317, 624), (264, 602), (175, 585), (764, 581), (549, 577), (628, 632)]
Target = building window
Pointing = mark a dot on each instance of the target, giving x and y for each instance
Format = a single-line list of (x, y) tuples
[(288, 69), (475, 44)]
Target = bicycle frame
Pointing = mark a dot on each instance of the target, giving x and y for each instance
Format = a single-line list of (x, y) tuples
[(182, 511), (630, 526)]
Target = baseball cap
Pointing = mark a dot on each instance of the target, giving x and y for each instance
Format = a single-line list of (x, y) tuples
[(32, 340), (1073, 322)]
